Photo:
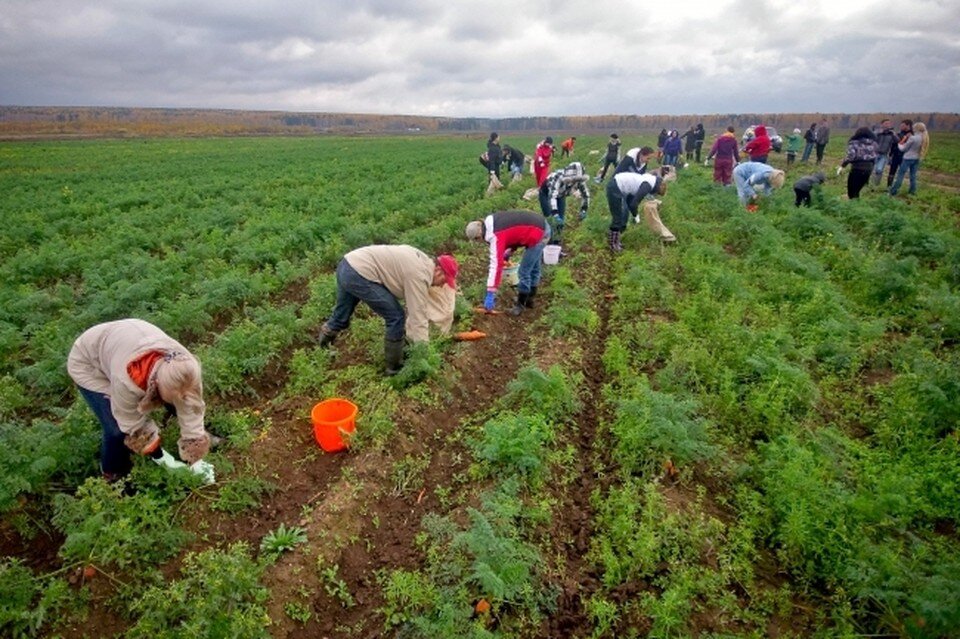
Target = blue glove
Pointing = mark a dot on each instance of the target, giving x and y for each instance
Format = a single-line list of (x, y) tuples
[(489, 301)]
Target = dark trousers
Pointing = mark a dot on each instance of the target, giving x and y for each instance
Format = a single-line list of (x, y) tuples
[(858, 178), (619, 208), (115, 457), (352, 288), (820, 148), (895, 162), (606, 163), (803, 197)]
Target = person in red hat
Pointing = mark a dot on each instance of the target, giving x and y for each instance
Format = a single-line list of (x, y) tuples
[(541, 160), (381, 276)]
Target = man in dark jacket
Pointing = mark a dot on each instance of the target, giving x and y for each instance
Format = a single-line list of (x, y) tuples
[(822, 139), (896, 155)]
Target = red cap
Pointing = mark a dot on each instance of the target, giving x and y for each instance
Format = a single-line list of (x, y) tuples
[(449, 266)]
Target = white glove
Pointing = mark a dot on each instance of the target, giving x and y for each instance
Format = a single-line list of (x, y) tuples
[(205, 470), (839, 168), (636, 219), (168, 461), (706, 162)]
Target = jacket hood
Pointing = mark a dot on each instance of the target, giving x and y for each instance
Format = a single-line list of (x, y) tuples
[(760, 130)]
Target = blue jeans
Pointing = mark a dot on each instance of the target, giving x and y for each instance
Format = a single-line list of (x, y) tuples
[(529, 271), (879, 165), (115, 457), (352, 288), (906, 165), (672, 160), (516, 169), (807, 150), (544, 197)]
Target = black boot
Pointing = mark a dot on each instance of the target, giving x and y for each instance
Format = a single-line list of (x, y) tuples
[(327, 336), (393, 354), (530, 296), (520, 305)]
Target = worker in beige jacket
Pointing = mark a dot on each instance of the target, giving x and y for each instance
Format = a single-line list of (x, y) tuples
[(381, 276), (125, 370)]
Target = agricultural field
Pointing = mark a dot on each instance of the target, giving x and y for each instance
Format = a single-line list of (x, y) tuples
[(754, 432)]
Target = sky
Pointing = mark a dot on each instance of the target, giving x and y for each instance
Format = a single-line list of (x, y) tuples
[(485, 59)]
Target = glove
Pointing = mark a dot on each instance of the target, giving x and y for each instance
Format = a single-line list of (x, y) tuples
[(168, 461), (489, 301), (839, 168), (583, 213), (205, 470), (636, 219), (555, 213), (706, 162)]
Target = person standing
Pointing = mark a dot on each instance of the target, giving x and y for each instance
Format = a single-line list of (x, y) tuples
[(555, 189), (751, 177), (861, 156), (566, 147), (382, 275), (896, 155), (886, 140), (701, 135), (661, 140), (128, 368), (810, 137), (510, 230), (759, 147), (793, 145), (611, 158), (541, 160), (690, 142), (725, 154), (625, 191), (914, 150), (494, 156), (672, 148), (822, 138)]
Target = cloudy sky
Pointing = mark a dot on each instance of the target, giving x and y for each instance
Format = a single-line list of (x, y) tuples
[(485, 59)]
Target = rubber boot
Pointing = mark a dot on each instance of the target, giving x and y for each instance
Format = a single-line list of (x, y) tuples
[(327, 336), (393, 355), (520, 305), (530, 296), (613, 241)]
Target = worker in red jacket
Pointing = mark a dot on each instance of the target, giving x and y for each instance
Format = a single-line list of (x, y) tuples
[(507, 231), (541, 159), (759, 147), (566, 147)]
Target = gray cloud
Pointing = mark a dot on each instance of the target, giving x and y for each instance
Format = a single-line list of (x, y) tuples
[(489, 59)]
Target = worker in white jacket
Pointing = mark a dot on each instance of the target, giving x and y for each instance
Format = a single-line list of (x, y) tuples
[(125, 370)]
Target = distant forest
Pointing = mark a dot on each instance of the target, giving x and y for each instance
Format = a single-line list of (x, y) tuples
[(20, 122)]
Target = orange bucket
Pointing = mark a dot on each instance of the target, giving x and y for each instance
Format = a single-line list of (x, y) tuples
[(333, 423)]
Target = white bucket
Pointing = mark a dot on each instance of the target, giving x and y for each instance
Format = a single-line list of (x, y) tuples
[(511, 273), (551, 253)]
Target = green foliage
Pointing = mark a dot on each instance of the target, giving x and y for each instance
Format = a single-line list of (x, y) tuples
[(570, 310), (553, 394), (335, 585), (218, 595), (651, 427), (422, 362), (36, 454), (29, 604), (104, 527), (242, 493), (406, 594), (515, 444), (283, 539)]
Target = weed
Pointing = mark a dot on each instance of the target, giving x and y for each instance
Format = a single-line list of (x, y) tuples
[(283, 539)]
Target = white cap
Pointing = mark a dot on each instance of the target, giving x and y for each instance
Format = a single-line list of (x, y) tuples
[(475, 230)]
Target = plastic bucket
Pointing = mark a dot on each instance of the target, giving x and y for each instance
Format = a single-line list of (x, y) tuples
[(511, 273), (551, 253), (333, 423)]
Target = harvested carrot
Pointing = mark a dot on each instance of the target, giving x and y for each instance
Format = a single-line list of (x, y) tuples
[(482, 606), (89, 572), (469, 336), (480, 309)]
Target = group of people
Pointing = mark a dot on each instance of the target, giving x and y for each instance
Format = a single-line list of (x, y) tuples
[(127, 369)]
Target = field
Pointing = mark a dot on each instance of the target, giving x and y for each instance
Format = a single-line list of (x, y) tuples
[(752, 433)]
